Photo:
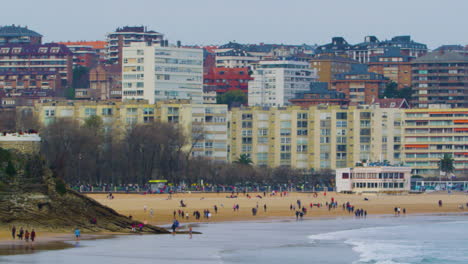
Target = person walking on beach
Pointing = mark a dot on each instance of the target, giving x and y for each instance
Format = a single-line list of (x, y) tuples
[(265, 208), (26, 236), (190, 232), (13, 232), (33, 235), (175, 225), (440, 203), (404, 211), (21, 233), (215, 209), (77, 234), (151, 212)]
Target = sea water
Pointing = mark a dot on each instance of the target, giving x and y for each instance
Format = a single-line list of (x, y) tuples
[(380, 240)]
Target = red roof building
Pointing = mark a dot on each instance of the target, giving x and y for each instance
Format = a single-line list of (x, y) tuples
[(87, 53), (226, 79)]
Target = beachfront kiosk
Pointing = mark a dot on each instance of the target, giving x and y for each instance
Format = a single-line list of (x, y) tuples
[(157, 186), (373, 179)]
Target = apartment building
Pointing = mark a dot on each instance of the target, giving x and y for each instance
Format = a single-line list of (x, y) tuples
[(205, 125), (394, 66), (276, 82), (360, 85), (440, 78), (155, 73), (318, 137), (330, 65), (19, 35), (46, 66), (87, 53), (124, 36), (431, 133)]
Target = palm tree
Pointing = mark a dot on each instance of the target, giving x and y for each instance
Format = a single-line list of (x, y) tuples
[(446, 164), (244, 159)]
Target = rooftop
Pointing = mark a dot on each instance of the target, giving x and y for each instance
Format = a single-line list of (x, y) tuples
[(17, 31), (435, 57)]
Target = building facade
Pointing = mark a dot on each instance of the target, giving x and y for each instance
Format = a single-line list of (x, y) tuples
[(19, 35), (47, 66), (205, 126), (123, 37), (393, 66), (360, 85), (373, 179), (87, 53), (316, 137), (276, 82), (330, 65), (431, 133), (440, 78), (155, 73)]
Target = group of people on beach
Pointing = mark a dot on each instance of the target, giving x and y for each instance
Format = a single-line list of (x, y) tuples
[(23, 234), (398, 210)]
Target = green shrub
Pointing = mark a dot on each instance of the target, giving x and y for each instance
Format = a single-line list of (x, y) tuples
[(60, 187)]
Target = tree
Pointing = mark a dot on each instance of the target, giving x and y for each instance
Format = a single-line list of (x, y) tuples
[(392, 91), (80, 77), (244, 159), (232, 98), (446, 164)]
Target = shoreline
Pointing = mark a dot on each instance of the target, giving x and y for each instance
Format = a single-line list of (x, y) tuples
[(61, 241)]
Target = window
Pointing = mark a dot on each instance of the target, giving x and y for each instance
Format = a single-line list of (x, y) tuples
[(341, 132), (246, 124), (148, 119), (302, 124), (340, 156), (246, 133), (262, 132), (148, 111), (325, 132), (131, 111), (341, 115), (285, 140), (90, 111), (246, 140), (341, 140), (302, 116), (246, 148), (285, 132), (107, 111), (286, 148), (341, 148), (302, 132), (50, 112), (301, 148), (285, 156), (341, 123), (324, 140)]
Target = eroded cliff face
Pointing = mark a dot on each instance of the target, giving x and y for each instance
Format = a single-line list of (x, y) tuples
[(44, 204)]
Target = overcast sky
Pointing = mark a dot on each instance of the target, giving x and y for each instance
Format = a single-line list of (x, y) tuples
[(433, 22)]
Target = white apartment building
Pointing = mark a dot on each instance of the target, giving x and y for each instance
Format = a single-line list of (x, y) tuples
[(155, 73), (275, 82), (373, 179)]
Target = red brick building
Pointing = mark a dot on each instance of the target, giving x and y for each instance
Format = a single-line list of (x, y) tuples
[(46, 66), (87, 53), (227, 79), (360, 86), (319, 94), (393, 66)]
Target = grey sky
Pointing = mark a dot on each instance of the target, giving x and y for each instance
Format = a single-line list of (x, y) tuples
[(433, 22)]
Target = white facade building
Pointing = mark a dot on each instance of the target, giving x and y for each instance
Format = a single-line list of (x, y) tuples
[(275, 82), (156, 73), (373, 179)]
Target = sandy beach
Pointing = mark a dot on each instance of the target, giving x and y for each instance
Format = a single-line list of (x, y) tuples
[(277, 207)]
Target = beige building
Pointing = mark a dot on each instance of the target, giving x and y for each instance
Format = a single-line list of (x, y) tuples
[(318, 137), (431, 133), (205, 125), (23, 142)]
